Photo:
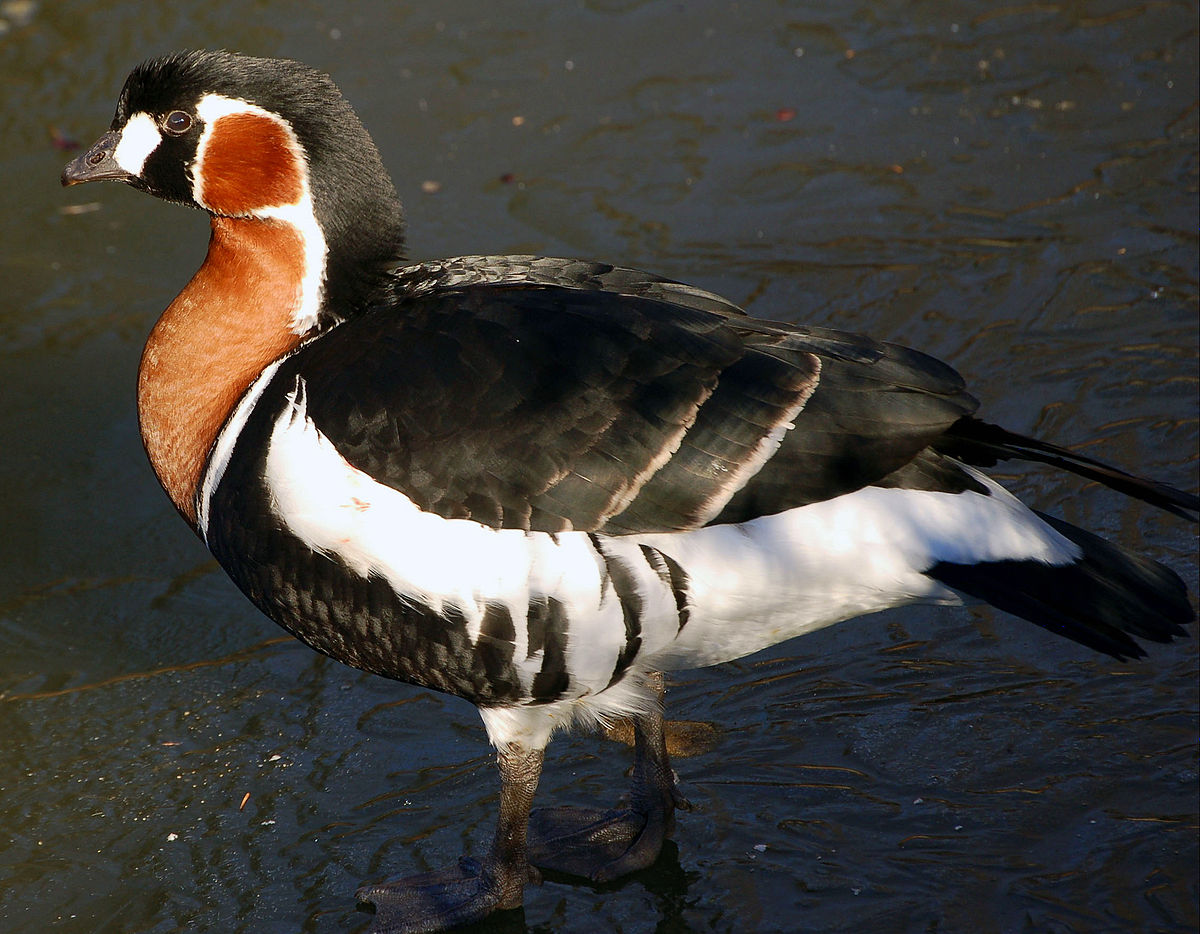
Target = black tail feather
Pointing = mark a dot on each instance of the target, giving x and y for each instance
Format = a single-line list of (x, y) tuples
[(1102, 601), (982, 445)]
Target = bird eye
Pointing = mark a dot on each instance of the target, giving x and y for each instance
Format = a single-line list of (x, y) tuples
[(177, 123)]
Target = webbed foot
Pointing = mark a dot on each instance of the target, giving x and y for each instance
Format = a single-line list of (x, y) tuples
[(594, 844), (435, 901), (602, 845), (474, 889)]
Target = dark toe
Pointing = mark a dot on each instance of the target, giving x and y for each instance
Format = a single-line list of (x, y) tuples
[(435, 901), (592, 844)]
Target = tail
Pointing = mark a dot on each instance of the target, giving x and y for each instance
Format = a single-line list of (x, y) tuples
[(1103, 600), (982, 445)]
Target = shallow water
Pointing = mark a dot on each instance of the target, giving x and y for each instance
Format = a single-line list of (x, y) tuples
[(1012, 188)]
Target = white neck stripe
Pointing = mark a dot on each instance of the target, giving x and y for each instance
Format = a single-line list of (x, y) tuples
[(300, 214)]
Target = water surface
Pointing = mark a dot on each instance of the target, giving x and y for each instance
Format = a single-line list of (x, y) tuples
[(1012, 188)]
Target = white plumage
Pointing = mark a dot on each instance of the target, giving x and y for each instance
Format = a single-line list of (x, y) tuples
[(495, 475)]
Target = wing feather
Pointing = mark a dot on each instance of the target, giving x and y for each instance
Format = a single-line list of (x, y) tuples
[(553, 395)]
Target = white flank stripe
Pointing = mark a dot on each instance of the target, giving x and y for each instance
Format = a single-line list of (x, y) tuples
[(440, 563), (139, 137), (748, 586)]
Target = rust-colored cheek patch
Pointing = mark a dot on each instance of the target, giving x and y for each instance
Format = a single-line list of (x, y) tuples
[(248, 163)]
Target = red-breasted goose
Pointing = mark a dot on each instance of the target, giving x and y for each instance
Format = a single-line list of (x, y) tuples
[(537, 483)]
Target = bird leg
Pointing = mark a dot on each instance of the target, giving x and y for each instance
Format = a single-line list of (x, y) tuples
[(605, 845), (473, 889)]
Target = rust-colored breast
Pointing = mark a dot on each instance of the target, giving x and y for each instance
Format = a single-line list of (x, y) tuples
[(249, 162), (214, 339)]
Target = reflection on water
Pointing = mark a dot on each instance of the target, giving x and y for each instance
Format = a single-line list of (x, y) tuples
[(1011, 188)]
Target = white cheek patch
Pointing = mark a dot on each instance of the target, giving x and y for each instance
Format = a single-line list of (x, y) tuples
[(139, 137)]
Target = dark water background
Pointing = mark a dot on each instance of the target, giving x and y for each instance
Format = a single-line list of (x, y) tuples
[(1012, 188)]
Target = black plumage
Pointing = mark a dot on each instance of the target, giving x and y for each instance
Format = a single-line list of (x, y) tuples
[(535, 483), (353, 198), (1102, 601), (609, 404), (358, 619)]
